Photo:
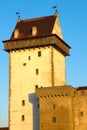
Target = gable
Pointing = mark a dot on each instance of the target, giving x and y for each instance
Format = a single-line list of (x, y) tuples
[(43, 25)]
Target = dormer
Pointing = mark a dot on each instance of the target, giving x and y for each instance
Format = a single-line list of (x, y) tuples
[(46, 29), (37, 27), (16, 33), (34, 31)]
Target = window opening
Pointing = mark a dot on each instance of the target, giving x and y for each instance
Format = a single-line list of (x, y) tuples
[(53, 106), (23, 117), (39, 53), (24, 64), (37, 71), (54, 119), (29, 57), (36, 86), (81, 113), (23, 102), (34, 30)]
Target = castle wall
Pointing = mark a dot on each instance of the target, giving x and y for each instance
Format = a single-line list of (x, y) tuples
[(59, 68), (36, 67), (62, 107), (80, 110), (27, 70), (56, 108)]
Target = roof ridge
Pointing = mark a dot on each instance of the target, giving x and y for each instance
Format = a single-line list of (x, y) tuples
[(37, 18)]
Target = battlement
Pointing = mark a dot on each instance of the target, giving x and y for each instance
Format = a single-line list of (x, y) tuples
[(55, 91)]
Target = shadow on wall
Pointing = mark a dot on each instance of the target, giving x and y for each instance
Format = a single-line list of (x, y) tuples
[(33, 99)]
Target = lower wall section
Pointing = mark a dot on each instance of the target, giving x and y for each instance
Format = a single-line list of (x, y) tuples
[(56, 108), (57, 126)]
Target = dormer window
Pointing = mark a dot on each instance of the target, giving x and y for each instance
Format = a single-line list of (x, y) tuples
[(34, 30), (16, 33)]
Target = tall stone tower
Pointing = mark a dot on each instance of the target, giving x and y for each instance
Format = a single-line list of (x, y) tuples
[(36, 59)]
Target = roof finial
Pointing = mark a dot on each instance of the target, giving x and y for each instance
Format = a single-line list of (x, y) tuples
[(18, 13)]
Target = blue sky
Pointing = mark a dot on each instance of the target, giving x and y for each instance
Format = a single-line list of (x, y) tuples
[(73, 20)]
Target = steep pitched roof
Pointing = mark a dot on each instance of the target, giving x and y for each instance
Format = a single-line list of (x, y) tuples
[(44, 26), (4, 128), (82, 88), (46, 30)]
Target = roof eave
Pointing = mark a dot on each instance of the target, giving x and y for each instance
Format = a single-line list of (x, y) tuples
[(52, 39)]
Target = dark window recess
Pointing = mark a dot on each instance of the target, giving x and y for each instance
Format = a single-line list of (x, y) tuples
[(54, 119), (39, 53), (37, 71), (24, 64), (81, 113), (36, 86), (53, 106), (38, 105), (23, 117), (29, 57), (23, 102)]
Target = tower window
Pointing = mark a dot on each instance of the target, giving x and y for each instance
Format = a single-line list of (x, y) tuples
[(38, 105), (36, 86), (24, 64), (29, 57), (81, 113), (34, 30), (23, 102), (16, 33), (53, 106), (39, 53), (54, 119), (22, 117), (37, 71)]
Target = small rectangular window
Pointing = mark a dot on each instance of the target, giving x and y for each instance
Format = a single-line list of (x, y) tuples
[(36, 86), (24, 64), (29, 57), (81, 113), (37, 71), (39, 53), (23, 117), (54, 119), (23, 102), (38, 105), (53, 106)]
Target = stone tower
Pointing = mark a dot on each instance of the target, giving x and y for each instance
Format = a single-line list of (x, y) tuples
[(36, 59)]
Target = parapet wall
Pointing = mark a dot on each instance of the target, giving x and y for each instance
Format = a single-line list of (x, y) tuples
[(55, 91)]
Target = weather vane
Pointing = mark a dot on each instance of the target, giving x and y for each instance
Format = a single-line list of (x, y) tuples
[(18, 13), (55, 7)]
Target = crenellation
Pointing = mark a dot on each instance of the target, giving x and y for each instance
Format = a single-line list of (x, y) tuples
[(58, 91)]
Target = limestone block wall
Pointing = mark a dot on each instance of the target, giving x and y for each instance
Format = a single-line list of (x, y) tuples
[(28, 68), (56, 107), (80, 110), (59, 68), (31, 68), (56, 113)]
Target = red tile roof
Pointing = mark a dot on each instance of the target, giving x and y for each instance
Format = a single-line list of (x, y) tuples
[(4, 128), (43, 37), (82, 88), (44, 26)]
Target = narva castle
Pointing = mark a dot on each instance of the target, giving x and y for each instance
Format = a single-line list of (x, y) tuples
[(39, 98)]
